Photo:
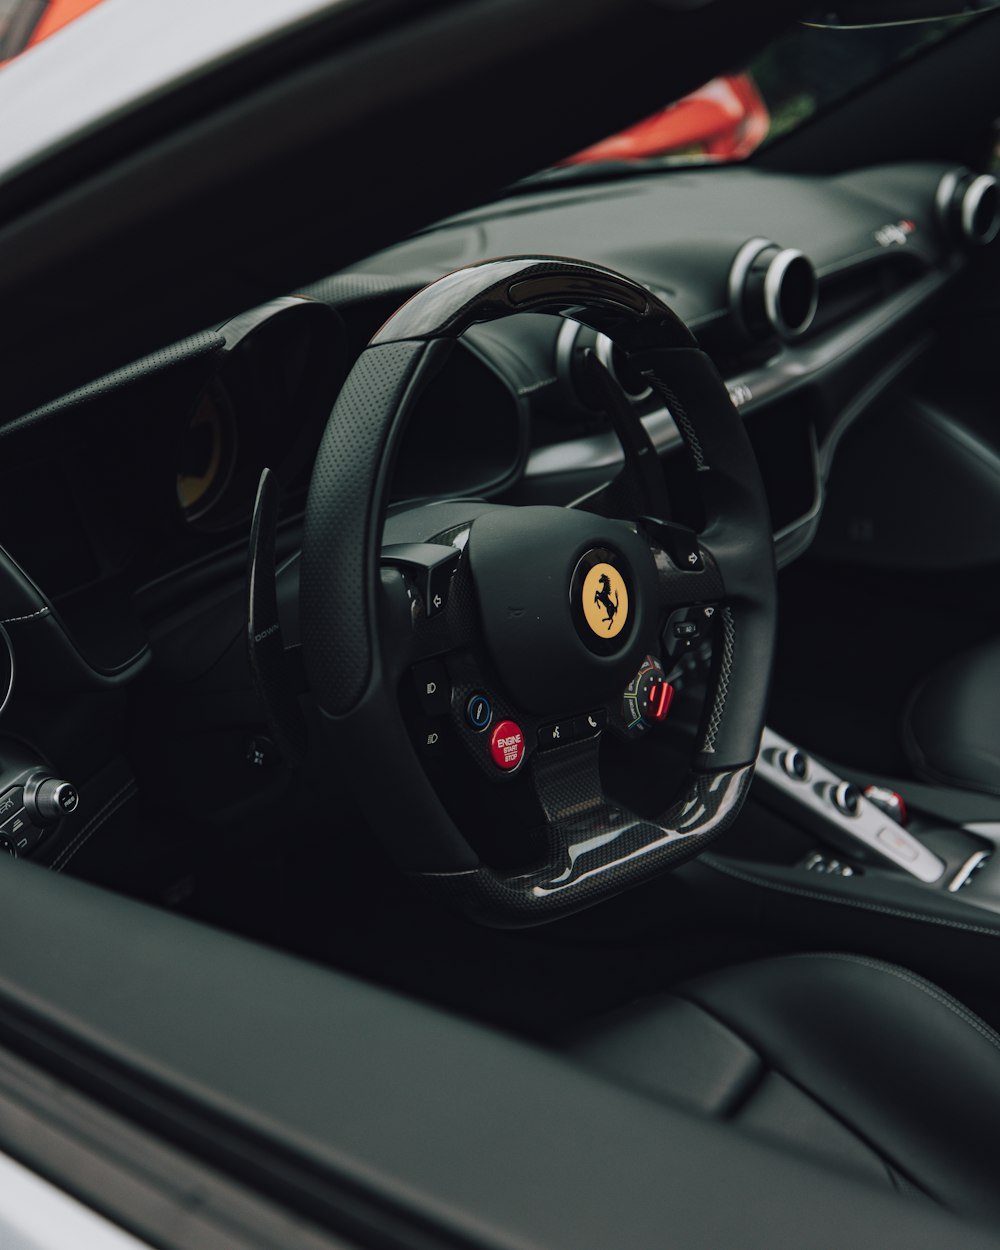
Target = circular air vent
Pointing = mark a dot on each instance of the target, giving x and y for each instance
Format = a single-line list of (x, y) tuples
[(969, 205), (773, 291), (573, 340)]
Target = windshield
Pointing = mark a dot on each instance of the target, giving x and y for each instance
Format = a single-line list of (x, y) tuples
[(803, 71)]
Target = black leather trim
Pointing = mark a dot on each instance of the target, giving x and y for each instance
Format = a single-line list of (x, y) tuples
[(347, 1103), (837, 897), (676, 1051), (849, 1059)]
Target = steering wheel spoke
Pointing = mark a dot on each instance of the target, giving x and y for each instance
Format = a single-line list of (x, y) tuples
[(595, 842)]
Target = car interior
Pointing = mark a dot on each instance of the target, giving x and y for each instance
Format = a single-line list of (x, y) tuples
[(498, 657)]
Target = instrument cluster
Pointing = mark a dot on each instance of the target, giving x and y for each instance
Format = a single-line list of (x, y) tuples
[(156, 466)]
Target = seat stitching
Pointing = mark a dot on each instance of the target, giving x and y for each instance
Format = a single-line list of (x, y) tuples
[(911, 978), (106, 812), (29, 616), (712, 862)]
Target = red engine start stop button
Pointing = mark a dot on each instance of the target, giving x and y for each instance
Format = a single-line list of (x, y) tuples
[(507, 744)]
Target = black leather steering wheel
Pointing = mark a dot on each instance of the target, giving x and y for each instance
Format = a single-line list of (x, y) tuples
[(556, 608)]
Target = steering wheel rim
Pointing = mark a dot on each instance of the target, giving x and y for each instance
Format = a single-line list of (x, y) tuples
[(594, 846)]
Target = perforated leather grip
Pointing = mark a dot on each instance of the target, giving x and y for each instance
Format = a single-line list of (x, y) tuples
[(343, 521)]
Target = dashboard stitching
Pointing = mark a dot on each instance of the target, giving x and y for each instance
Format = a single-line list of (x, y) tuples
[(117, 800), (899, 912), (30, 616), (537, 386), (967, 1017)]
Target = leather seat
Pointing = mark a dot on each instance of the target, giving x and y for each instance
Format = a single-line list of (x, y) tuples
[(951, 729), (858, 1063)]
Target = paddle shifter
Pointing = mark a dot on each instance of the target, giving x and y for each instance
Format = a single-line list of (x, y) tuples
[(268, 661)]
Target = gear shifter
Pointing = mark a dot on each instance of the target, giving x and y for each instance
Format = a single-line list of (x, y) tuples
[(889, 801)]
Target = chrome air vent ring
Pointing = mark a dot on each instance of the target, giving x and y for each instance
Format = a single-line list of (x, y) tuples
[(573, 339), (773, 291), (969, 206)]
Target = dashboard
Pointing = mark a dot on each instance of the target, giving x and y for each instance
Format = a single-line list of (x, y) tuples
[(813, 295)]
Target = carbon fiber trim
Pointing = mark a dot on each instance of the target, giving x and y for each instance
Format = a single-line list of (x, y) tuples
[(598, 297), (604, 850)]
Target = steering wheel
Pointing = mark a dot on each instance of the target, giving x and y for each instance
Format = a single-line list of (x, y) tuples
[(531, 619)]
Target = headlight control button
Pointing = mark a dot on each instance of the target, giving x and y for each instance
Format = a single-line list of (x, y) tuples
[(507, 745), (433, 687)]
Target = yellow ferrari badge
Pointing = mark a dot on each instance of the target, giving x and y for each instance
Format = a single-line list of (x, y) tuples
[(605, 600)]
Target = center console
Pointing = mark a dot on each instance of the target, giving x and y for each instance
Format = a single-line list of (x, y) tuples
[(869, 828), (826, 857)]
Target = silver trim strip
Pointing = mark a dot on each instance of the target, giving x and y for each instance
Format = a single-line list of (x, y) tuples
[(985, 828), (966, 871)]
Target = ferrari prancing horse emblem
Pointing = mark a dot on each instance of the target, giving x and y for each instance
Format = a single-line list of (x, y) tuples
[(605, 601)]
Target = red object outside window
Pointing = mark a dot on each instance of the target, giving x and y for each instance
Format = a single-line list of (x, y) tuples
[(727, 119)]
